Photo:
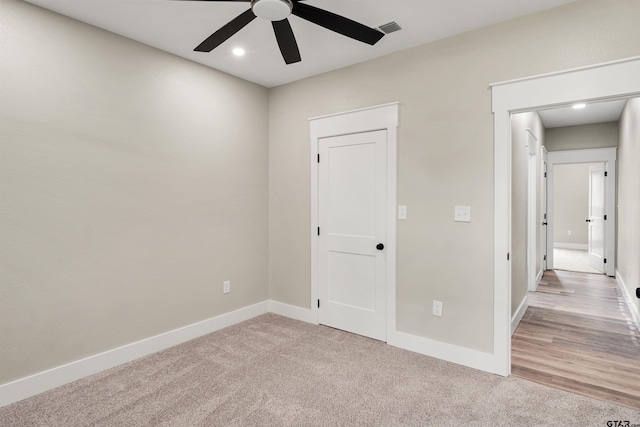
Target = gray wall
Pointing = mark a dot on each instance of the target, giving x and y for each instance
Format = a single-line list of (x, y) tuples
[(599, 135), (131, 186), (445, 155), (520, 201), (571, 204), (628, 249)]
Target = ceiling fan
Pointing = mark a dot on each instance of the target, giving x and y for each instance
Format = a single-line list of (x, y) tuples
[(277, 11)]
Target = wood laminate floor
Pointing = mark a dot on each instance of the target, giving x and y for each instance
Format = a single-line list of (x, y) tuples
[(578, 335)]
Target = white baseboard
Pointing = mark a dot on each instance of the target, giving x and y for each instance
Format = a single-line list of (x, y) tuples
[(635, 312), (293, 312), (578, 246), (451, 353), (519, 314), (52, 378), (539, 277)]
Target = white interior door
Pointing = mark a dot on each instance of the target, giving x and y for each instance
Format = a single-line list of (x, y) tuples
[(352, 215), (543, 210), (596, 216)]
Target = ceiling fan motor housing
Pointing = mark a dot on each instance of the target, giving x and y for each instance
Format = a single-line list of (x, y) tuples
[(272, 10)]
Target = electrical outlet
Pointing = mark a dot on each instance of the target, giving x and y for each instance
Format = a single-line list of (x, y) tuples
[(437, 308), (568, 232), (226, 286)]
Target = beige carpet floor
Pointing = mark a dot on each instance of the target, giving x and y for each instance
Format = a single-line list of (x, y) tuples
[(276, 371), (572, 260)]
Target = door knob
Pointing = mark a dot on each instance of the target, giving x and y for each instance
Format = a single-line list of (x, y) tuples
[(588, 220), (379, 246), (544, 223)]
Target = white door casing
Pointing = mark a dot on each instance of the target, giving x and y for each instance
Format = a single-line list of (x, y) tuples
[(352, 224), (596, 218), (606, 156), (384, 118), (611, 80)]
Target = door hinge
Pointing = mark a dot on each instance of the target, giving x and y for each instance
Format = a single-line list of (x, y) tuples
[(318, 303), (318, 158), (545, 174), (606, 173), (544, 258), (605, 217), (605, 260), (507, 256), (318, 231)]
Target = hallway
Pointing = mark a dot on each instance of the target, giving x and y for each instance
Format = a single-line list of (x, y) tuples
[(578, 335)]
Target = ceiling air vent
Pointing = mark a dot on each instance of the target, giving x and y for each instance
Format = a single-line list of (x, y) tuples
[(390, 27)]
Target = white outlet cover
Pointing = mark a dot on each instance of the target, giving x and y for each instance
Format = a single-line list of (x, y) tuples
[(462, 214), (226, 286), (437, 308)]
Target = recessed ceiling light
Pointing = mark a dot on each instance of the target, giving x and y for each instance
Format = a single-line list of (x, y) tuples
[(579, 106), (238, 51)]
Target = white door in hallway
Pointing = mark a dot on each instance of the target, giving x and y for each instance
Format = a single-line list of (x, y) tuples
[(543, 209), (352, 214), (596, 219)]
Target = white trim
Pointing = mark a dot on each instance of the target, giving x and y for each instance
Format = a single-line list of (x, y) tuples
[(635, 311), (607, 156), (539, 277), (357, 110), (519, 314), (291, 311), (441, 350), (602, 81), (576, 246), (567, 71), (532, 211), (381, 117), (55, 377)]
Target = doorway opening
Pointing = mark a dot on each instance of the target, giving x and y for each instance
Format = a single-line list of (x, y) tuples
[(576, 326), (613, 80), (581, 203), (577, 217)]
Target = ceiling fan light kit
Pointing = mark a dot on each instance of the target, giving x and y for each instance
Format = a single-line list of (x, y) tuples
[(277, 11), (272, 10)]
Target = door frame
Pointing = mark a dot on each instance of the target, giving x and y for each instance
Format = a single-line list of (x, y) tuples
[(617, 79), (544, 217), (380, 117), (597, 155)]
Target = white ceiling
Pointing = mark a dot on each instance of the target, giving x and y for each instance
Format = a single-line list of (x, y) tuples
[(597, 112), (179, 26)]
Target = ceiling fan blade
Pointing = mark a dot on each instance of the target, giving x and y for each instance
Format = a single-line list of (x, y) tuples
[(229, 29), (286, 41), (337, 23)]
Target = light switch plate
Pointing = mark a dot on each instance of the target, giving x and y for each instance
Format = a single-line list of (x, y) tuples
[(462, 214), (402, 212)]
